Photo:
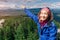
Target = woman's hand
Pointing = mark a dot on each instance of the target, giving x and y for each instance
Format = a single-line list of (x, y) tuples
[(23, 6)]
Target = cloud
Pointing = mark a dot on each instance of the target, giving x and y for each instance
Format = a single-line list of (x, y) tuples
[(28, 3), (56, 5), (19, 1), (4, 5), (3, 0), (7, 6), (40, 5)]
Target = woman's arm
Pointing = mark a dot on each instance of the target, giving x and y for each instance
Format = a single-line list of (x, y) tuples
[(32, 16), (53, 32)]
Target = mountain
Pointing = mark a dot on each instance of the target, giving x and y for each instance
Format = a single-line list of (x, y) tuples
[(56, 13), (16, 12), (11, 12)]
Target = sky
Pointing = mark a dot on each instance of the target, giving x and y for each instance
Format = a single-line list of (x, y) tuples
[(18, 4)]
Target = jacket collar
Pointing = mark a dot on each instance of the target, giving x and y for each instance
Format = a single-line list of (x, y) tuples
[(47, 24)]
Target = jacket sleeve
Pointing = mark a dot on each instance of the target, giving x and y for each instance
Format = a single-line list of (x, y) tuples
[(53, 32), (32, 16)]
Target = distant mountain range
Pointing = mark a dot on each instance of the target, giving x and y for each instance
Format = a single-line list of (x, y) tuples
[(56, 13), (11, 12), (16, 12)]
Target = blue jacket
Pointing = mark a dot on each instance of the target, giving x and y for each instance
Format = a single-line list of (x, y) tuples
[(48, 32)]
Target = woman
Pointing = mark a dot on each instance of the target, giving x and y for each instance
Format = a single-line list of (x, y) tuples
[(46, 28)]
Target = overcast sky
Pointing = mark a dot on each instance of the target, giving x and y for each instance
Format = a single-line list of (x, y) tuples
[(4, 4)]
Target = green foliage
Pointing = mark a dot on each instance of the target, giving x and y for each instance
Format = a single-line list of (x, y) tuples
[(57, 24), (18, 28)]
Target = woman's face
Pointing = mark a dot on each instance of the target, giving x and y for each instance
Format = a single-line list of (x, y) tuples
[(43, 15)]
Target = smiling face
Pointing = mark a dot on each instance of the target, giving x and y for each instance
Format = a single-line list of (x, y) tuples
[(43, 15)]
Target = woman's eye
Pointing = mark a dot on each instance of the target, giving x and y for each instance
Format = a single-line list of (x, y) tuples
[(45, 13)]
